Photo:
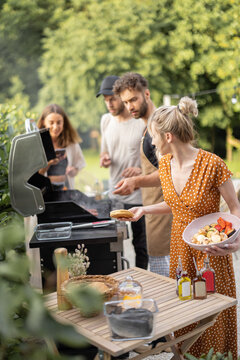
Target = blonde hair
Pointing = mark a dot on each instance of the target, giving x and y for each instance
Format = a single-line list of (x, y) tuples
[(176, 119)]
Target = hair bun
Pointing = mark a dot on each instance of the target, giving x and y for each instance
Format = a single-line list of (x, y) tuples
[(188, 106)]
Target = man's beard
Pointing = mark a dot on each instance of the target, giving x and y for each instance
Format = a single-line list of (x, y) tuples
[(119, 110), (143, 109)]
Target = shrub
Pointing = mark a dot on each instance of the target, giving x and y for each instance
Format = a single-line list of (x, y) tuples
[(27, 331), (212, 356), (26, 325), (11, 122)]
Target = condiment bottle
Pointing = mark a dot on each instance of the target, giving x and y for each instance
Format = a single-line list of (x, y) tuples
[(184, 287), (199, 287), (199, 284), (178, 273), (209, 275), (97, 189), (130, 289)]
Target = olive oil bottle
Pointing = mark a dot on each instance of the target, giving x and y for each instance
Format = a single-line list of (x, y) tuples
[(184, 287)]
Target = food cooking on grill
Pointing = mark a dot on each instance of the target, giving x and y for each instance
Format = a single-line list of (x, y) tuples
[(121, 213), (214, 233)]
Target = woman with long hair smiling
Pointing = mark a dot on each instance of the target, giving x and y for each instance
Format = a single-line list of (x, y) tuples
[(64, 137)]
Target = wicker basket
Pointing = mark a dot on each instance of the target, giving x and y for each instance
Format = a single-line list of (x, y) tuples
[(109, 281)]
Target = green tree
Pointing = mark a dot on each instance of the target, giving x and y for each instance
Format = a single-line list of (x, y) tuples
[(206, 55), (11, 123), (96, 39), (181, 48), (28, 331), (22, 25)]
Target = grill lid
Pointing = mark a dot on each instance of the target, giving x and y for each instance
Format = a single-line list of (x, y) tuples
[(27, 156)]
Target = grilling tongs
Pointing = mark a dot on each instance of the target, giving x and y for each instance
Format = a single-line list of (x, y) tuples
[(94, 224)]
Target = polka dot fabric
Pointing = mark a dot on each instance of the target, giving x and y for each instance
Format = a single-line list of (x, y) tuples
[(199, 197)]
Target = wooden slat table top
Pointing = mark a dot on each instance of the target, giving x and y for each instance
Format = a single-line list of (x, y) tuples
[(173, 314)]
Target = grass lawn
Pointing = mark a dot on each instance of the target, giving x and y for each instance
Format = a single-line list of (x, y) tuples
[(87, 177), (234, 165)]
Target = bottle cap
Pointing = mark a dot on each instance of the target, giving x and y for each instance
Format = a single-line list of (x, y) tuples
[(180, 261), (195, 264), (130, 285)]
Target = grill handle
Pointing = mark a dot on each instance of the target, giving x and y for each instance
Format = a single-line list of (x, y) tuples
[(126, 261)]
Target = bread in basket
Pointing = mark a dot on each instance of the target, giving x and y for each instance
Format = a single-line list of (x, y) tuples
[(88, 292)]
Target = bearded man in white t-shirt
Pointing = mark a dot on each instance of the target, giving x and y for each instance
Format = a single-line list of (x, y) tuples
[(121, 137)]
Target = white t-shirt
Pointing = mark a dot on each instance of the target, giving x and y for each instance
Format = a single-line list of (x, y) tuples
[(121, 140)]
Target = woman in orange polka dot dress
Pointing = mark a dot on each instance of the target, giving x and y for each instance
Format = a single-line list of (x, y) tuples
[(192, 181)]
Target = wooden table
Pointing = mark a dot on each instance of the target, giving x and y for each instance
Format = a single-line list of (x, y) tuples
[(173, 315)]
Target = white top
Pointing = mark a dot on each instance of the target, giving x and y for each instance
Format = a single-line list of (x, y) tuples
[(121, 140), (75, 158)]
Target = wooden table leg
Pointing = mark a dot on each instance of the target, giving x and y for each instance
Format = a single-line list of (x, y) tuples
[(197, 332), (176, 352), (106, 356), (102, 355), (189, 342)]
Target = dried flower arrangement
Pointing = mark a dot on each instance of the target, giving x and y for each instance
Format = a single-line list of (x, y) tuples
[(78, 262)]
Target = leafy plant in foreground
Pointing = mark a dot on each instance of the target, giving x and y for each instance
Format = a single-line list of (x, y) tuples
[(211, 356)]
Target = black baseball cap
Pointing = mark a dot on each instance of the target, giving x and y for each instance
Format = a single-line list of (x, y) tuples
[(107, 85)]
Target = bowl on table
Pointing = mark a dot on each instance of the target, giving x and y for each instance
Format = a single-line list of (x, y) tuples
[(88, 292), (131, 319), (202, 221)]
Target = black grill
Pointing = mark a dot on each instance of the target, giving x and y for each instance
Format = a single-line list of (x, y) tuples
[(104, 245)]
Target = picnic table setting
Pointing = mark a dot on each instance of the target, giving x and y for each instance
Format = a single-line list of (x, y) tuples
[(139, 306)]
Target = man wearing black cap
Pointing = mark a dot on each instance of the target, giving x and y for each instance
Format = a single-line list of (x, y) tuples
[(120, 151)]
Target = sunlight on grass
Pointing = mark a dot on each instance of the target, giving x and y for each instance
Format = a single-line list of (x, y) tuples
[(234, 165), (86, 178)]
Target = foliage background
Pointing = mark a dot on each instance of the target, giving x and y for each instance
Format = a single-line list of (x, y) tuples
[(60, 52)]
